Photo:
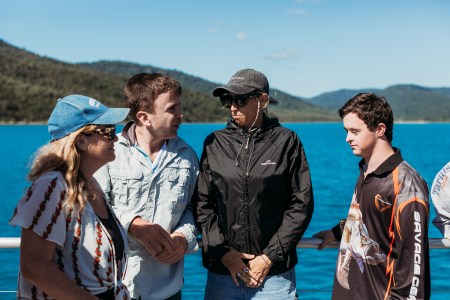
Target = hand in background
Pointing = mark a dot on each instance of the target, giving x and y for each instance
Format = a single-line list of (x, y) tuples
[(326, 236), (233, 261), (152, 236), (260, 266), (180, 243)]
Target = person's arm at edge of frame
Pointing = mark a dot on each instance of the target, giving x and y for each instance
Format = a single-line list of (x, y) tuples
[(441, 222), (38, 268), (302, 204), (441, 201)]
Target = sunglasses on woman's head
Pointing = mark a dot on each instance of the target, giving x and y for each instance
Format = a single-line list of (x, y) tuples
[(109, 132), (238, 100)]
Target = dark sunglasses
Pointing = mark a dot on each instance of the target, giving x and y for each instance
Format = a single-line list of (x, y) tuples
[(109, 132), (239, 100)]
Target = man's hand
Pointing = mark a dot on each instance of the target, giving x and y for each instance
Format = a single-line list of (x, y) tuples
[(233, 261), (180, 243), (326, 236), (260, 266), (152, 236)]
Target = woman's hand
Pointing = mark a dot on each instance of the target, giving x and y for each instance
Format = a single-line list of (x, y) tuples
[(233, 261), (260, 266)]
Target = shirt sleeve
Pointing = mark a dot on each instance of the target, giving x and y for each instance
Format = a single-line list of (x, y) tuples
[(440, 194), (41, 208), (409, 260), (186, 224)]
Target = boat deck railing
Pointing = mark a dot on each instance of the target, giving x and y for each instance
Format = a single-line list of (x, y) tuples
[(305, 243)]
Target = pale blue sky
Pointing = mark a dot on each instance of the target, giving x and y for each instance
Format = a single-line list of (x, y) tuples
[(305, 47)]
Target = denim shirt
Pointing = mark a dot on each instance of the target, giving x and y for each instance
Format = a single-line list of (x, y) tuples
[(162, 197)]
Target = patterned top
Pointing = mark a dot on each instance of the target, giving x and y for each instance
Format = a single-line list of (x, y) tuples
[(85, 251), (384, 245)]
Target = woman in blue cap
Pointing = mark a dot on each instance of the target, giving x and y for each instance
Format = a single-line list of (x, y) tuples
[(72, 245)]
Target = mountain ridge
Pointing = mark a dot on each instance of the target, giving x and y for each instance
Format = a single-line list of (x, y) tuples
[(30, 84)]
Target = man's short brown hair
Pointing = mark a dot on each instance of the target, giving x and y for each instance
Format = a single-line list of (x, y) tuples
[(373, 110), (142, 89)]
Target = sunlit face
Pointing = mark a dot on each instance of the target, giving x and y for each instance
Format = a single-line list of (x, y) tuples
[(166, 116), (360, 138), (245, 116), (100, 145)]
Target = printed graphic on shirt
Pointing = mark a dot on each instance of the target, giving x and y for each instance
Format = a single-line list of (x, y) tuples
[(380, 204), (356, 244)]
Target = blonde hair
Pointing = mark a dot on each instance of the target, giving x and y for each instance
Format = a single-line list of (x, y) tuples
[(63, 156)]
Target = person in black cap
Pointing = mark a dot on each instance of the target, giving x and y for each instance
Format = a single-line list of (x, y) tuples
[(254, 197), (72, 245)]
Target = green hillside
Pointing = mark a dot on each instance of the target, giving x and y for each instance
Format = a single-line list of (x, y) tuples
[(290, 108), (409, 102), (30, 85)]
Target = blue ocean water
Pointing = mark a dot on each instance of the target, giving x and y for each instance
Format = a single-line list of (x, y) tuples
[(334, 172)]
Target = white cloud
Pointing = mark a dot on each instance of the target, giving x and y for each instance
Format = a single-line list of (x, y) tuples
[(216, 27), (296, 11), (241, 35), (284, 54), (213, 29)]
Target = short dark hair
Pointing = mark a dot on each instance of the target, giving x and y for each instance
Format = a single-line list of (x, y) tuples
[(372, 109), (142, 89)]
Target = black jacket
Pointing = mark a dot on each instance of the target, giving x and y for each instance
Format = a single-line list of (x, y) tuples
[(254, 195)]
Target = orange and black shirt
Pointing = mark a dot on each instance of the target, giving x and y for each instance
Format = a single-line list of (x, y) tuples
[(384, 243)]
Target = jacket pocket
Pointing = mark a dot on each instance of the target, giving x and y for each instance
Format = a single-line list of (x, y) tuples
[(126, 185)]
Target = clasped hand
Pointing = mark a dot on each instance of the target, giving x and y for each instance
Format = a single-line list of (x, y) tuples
[(164, 247), (253, 274)]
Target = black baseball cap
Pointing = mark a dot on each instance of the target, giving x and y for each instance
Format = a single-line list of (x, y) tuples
[(244, 82)]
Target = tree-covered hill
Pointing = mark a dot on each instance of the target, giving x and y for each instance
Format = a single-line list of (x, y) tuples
[(30, 85), (409, 102), (290, 108)]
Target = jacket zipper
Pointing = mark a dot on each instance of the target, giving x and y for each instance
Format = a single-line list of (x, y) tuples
[(245, 169)]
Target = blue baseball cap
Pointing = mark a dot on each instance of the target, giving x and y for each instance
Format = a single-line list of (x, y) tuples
[(76, 111)]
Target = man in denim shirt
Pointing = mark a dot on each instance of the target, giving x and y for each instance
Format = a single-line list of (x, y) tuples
[(150, 185)]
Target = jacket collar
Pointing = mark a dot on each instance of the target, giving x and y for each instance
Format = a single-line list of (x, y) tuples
[(268, 123), (129, 134)]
